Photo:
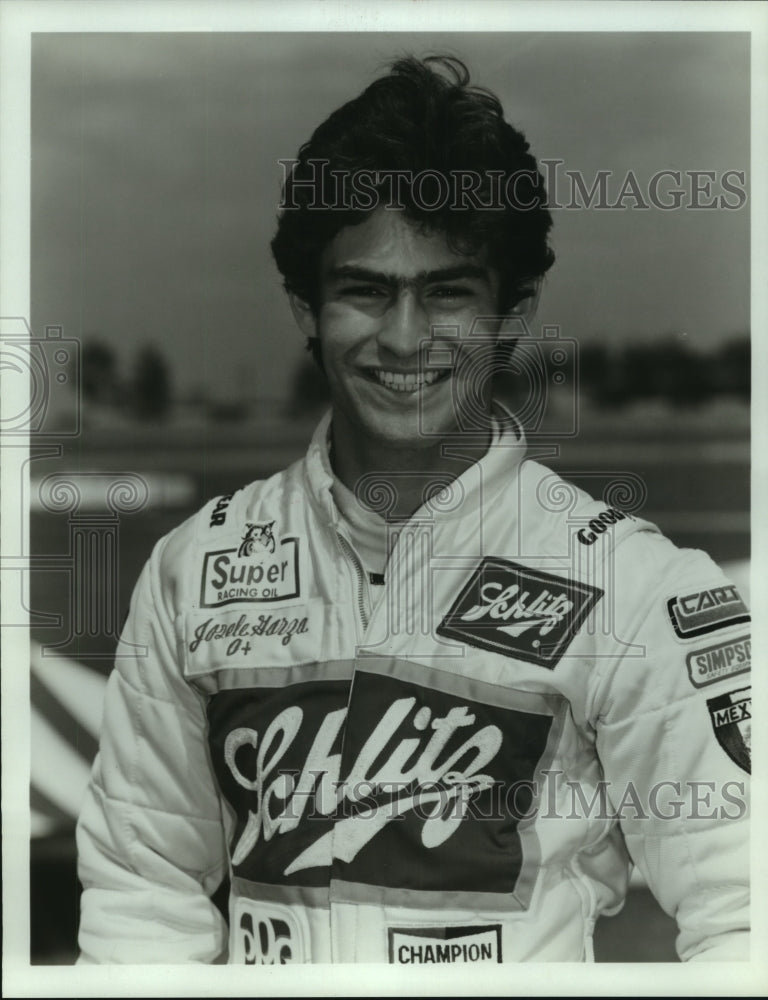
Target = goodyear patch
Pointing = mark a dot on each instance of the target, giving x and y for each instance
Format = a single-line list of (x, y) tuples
[(219, 512)]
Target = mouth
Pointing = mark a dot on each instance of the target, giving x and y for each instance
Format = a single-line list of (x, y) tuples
[(407, 381)]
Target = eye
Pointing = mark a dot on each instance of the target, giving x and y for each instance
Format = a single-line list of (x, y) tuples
[(450, 292), (362, 292)]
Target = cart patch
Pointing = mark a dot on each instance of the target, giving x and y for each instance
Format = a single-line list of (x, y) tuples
[(706, 610)]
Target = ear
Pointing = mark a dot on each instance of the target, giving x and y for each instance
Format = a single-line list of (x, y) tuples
[(526, 308), (303, 314)]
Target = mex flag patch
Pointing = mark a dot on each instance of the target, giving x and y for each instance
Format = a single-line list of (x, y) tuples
[(731, 716)]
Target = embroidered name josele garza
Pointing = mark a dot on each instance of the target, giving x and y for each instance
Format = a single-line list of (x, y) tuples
[(413, 773)]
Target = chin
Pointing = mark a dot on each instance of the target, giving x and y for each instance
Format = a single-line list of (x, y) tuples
[(410, 438)]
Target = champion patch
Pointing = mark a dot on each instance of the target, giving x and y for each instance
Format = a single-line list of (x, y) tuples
[(706, 610), (519, 612), (731, 716), (714, 663), (444, 945)]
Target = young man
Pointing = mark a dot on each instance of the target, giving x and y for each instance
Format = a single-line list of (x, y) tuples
[(421, 700)]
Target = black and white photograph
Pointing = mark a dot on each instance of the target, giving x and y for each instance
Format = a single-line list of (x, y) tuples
[(379, 461)]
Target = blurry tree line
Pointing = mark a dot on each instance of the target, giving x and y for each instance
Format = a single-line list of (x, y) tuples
[(668, 370), (610, 374), (144, 391)]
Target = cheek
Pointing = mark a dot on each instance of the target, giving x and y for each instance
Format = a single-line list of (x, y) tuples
[(343, 330), (475, 369)]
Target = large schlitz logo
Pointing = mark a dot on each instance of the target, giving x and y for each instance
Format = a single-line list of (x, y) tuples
[(731, 716), (258, 570), (396, 790), (706, 610), (519, 612)]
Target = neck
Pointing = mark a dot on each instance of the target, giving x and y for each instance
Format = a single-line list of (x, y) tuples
[(399, 480)]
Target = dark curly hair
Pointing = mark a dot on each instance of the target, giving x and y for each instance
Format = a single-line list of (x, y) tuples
[(422, 122)]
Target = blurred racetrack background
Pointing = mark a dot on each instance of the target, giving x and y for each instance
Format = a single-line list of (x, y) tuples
[(155, 186)]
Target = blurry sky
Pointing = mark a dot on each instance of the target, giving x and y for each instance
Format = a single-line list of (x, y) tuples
[(155, 182)]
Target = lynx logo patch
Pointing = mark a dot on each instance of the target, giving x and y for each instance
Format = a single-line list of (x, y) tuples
[(257, 536), (519, 612)]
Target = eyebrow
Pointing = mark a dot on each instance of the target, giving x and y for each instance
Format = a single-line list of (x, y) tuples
[(457, 273)]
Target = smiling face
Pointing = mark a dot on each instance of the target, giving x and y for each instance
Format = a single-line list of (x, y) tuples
[(395, 311)]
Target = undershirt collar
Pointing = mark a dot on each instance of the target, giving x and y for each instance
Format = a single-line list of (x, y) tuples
[(369, 533)]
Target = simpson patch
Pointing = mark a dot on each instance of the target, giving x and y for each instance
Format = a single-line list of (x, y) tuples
[(725, 659), (519, 612)]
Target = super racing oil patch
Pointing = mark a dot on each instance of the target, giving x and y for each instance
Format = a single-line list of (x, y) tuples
[(731, 717), (704, 611), (519, 612), (263, 568), (444, 945)]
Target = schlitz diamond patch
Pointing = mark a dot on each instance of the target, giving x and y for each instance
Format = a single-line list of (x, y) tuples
[(731, 716), (519, 612)]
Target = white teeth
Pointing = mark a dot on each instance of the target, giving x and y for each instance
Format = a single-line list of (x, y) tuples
[(410, 382)]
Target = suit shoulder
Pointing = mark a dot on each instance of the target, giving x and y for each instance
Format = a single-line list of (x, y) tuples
[(220, 524), (563, 518)]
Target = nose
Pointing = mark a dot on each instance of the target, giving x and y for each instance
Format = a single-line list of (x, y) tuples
[(404, 326)]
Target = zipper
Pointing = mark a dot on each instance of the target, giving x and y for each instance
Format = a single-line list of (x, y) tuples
[(360, 579)]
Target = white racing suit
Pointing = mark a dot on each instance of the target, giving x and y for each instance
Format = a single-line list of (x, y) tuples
[(545, 691)]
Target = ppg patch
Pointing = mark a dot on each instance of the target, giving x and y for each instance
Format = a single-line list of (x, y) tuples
[(519, 612), (731, 716), (444, 945), (267, 934), (706, 610)]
